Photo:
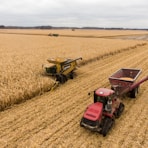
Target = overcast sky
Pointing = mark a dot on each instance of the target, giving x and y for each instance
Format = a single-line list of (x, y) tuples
[(77, 13)]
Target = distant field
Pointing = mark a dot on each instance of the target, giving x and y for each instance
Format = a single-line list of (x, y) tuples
[(51, 119), (77, 32)]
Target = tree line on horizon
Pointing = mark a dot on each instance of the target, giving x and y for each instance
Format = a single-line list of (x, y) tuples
[(73, 28)]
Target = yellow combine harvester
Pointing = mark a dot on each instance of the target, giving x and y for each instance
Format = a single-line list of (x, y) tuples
[(61, 68)]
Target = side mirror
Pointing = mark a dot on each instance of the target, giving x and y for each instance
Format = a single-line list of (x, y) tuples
[(89, 94)]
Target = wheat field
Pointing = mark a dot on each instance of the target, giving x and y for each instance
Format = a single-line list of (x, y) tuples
[(51, 119)]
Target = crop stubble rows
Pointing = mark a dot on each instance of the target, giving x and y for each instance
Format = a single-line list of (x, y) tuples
[(22, 57), (53, 119)]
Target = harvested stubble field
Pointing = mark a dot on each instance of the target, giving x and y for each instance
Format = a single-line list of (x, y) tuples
[(52, 119)]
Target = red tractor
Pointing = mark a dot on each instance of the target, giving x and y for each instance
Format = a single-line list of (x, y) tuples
[(100, 116)]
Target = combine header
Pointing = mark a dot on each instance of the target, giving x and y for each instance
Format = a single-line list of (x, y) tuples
[(61, 68), (100, 116)]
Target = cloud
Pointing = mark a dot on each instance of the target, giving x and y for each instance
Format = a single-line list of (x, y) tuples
[(98, 13)]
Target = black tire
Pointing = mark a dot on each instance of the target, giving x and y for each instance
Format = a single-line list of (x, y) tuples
[(71, 75), (81, 123), (138, 88), (112, 88), (60, 78), (107, 124), (134, 92), (65, 78), (119, 110)]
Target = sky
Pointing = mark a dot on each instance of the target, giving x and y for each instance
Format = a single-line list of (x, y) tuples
[(75, 13)]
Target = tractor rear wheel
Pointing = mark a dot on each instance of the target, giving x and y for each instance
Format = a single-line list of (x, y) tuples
[(107, 124), (119, 110)]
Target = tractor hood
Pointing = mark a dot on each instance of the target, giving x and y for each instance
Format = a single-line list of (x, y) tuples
[(94, 111)]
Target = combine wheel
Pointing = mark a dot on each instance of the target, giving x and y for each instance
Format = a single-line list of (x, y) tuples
[(108, 123), (119, 110), (64, 78), (58, 78), (71, 75), (61, 78), (134, 92)]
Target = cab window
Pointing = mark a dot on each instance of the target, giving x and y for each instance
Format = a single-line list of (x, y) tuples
[(100, 99)]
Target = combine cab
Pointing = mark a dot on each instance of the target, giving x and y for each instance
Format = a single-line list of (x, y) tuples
[(61, 68)]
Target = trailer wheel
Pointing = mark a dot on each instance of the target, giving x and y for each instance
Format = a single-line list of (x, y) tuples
[(138, 89), (107, 124), (134, 92)]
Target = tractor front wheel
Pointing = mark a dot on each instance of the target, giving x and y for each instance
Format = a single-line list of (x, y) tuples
[(107, 124), (81, 122)]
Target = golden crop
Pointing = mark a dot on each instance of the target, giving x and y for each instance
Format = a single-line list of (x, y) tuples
[(52, 120), (22, 56)]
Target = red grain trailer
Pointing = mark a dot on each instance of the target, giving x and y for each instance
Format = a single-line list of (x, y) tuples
[(124, 81)]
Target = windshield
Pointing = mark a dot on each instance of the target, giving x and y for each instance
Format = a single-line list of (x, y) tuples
[(51, 69), (101, 99)]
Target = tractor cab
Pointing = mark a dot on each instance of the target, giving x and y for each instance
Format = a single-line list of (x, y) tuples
[(104, 96), (100, 115)]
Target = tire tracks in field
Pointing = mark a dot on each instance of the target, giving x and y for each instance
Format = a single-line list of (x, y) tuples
[(84, 62), (81, 75), (89, 136), (56, 133), (52, 125)]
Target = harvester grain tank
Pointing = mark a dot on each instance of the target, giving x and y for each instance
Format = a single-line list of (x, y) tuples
[(61, 68), (100, 116)]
